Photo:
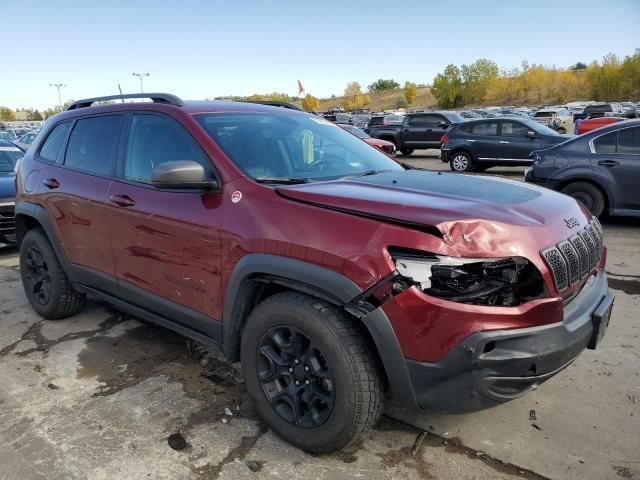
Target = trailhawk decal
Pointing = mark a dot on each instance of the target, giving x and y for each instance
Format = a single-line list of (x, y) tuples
[(236, 196)]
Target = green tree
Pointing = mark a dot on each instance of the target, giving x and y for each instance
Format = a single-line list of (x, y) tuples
[(402, 102), (578, 66), (447, 87), (7, 114), (310, 103), (382, 84), (476, 79), (410, 92), (36, 115)]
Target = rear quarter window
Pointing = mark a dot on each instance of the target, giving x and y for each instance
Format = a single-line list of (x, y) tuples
[(51, 149)]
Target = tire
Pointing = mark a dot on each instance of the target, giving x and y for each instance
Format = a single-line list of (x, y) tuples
[(461, 162), (406, 151), (561, 131), (46, 285), (341, 366), (588, 194)]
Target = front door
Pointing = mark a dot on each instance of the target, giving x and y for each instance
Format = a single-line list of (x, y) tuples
[(515, 144), (167, 243)]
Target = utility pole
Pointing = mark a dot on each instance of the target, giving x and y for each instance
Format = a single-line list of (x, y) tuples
[(140, 75), (58, 86)]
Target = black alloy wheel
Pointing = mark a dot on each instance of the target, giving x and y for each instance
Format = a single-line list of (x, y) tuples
[(295, 377), (38, 279)]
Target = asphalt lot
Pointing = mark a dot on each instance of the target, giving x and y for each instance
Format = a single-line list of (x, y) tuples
[(98, 395)]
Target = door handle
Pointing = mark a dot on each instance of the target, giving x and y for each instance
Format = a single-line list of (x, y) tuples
[(429, 130), (122, 200), (504, 141), (608, 163), (51, 183)]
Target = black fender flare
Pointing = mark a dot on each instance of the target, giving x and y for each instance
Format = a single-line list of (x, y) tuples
[(33, 211), (322, 283)]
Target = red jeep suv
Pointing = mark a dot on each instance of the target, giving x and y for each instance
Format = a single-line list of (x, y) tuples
[(338, 277)]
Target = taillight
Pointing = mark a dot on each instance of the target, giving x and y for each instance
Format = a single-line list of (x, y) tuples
[(444, 139)]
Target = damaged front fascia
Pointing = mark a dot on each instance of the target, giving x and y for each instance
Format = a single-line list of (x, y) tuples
[(378, 294)]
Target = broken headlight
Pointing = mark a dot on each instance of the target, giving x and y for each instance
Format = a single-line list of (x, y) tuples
[(506, 281)]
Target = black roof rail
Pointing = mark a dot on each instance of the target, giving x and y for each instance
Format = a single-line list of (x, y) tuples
[(155, 97), (275, 104)]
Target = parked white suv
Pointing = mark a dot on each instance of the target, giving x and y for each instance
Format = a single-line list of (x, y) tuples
[(560, 119)]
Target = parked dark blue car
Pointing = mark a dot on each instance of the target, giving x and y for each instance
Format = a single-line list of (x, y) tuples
[(476, 145), (600, 168), (9, 155)]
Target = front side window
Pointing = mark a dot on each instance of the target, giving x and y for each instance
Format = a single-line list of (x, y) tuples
[(629, 141), (93, 145), (154, 140), (52, 147), (292, 145), (606, 143), (514, 129)]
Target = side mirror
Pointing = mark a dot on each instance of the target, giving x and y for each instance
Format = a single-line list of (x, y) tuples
[(182, 174), (531, 134)]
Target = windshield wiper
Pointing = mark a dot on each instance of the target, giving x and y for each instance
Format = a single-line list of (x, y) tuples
[(366, 174), (282, 180)]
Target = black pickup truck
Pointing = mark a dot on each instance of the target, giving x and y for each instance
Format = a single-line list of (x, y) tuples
[(419, 130), (598, 110)]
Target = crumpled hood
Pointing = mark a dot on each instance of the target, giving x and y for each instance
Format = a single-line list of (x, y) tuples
[(487, 210), (7, 185)]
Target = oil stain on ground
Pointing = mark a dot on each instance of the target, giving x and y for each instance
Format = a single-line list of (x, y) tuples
[(630, 287)]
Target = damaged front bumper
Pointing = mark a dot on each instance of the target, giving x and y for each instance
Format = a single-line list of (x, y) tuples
[(492, 367)]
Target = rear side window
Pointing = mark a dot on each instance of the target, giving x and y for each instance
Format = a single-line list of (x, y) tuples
[(514, 129), (425, 120), (93, 145), (629, 141), (606, 143), (52, 146), (154, 140), (482, 128)]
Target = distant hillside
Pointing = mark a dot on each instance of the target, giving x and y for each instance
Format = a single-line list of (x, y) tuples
[(386, 100)]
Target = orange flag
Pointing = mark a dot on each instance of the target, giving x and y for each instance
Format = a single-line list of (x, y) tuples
[(300, 87)]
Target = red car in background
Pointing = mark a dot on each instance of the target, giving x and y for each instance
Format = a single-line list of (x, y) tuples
[(584, 126), (387, 147)]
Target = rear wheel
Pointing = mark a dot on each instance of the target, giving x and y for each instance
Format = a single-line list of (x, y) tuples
[(587, 193), (310, 372), (47, 287), (461, 162), (406, 151)]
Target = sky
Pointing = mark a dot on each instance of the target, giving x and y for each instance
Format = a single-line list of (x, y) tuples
[(210, 48)]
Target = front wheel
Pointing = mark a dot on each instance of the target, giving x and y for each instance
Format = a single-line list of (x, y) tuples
[(406, 151), (310, 372), (588, 194), (461, 162)]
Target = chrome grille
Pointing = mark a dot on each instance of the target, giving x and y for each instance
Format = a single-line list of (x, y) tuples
[(573, 262), (572, 259), (7, 221), (583, 254)]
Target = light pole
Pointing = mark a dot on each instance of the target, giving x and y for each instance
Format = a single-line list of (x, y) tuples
[(58, 86), (140, 75)]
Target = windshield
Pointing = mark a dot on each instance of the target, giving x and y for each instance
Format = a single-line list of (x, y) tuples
[(8, 158), (355, 131), (266, 145), (538, 128)]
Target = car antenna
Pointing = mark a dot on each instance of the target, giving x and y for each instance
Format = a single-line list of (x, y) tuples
[(120, 92)]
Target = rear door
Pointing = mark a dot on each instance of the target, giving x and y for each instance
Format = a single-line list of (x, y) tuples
[(616, 156), (481, 139), (75, 181), (515, 145), (424, 130), (167, 248)]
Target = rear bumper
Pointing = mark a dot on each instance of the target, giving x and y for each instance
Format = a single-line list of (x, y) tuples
[(444, 154), (492, 367), (543, 182)]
